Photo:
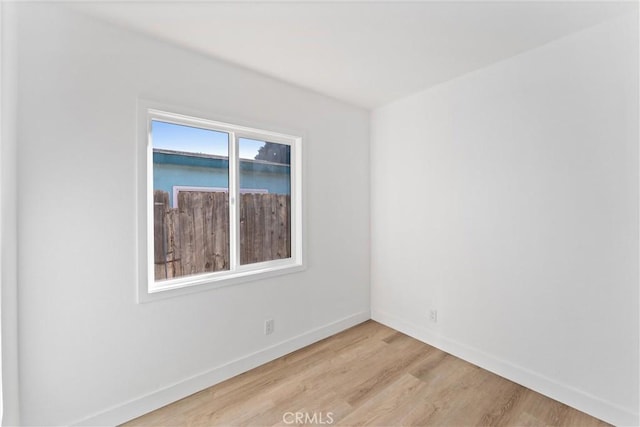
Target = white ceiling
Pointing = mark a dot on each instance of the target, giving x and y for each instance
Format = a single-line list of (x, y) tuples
[(365, 53)]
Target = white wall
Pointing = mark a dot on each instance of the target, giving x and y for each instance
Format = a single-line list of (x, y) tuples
[(8, 216), (86, 347), (507, 200)]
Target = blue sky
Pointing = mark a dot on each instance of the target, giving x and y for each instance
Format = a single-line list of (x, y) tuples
[(170, 136)]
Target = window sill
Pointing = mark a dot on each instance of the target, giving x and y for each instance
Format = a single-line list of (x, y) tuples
[(206, 282)]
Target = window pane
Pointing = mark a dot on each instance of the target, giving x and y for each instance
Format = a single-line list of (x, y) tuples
[(265, 201), (191, 200)]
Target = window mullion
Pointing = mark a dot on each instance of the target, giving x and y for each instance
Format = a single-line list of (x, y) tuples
[(234, 203)]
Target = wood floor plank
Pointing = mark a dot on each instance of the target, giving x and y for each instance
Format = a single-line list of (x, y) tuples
[(452, 384), (405, 352), (367, 375), (386, 406)]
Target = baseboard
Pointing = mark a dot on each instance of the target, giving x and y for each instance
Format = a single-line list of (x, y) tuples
[(568, 395), (145, 404)]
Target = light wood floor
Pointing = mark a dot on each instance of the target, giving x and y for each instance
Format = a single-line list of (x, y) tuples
[(368, 375)]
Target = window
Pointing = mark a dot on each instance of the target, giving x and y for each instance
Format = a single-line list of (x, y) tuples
[(223, 202)]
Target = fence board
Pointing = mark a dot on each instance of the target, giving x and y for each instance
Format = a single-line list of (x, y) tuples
[(185, 231), (220, 231), (173, 256), (208, 241), (248, 254), (273, 228), (160, 204), (284, 226)]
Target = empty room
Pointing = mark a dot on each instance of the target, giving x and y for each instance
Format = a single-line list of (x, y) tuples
[(319, 213)]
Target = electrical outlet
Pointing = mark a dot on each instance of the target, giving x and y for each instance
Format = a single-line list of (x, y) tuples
[(433, 315), (268, 326)]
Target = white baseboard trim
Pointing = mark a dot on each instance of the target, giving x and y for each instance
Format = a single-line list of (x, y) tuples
[(144, 404), (568, 395)]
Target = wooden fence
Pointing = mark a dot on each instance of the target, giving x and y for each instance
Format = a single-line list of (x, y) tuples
[(193, 237)]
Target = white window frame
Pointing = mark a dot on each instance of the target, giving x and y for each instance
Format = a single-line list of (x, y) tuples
[(149, 289)]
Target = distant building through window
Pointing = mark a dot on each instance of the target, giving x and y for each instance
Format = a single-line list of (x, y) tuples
[(176, 169)]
